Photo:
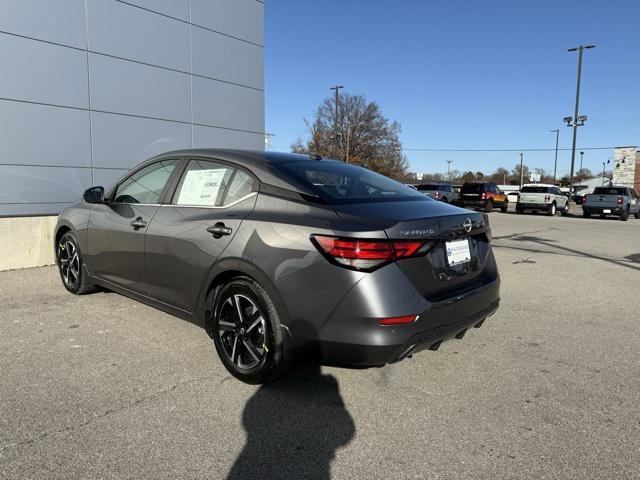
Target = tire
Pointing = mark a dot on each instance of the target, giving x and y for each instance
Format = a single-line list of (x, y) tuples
[(519, 210), (488, 206), (637, 214), (237, 339), (504, 207), (73, 272), (552, 210), (444, 200), (586, 214), (625, 214), (565, 210)]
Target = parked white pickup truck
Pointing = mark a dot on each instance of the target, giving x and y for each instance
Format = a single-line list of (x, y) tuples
[(540, 197)]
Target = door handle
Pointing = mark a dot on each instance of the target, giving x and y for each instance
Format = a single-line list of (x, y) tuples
[(138, 223), (219, 229)]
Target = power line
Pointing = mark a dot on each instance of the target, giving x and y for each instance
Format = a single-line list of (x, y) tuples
[(498, 149)]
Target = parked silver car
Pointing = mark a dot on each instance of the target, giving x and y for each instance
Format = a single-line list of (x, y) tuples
[(540, 197), (439, 191)]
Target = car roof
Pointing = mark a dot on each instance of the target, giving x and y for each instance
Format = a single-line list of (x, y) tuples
[(538, 185), (260, 163)]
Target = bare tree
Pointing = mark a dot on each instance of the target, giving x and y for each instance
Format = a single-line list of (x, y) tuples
[(364, 136)]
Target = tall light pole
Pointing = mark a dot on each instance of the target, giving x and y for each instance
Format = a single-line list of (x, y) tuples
[(577, 120), (521, 170), (604, 164), (581, 155), (555, 162), (449, 162), (336, 144)]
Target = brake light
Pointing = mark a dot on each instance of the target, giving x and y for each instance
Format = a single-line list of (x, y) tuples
[(437, 195), (619, 200), (367, 255), (547, 198), (584, 198), (398, 320), (483, 196)]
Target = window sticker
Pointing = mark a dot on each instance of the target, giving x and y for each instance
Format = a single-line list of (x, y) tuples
[(201, 187)]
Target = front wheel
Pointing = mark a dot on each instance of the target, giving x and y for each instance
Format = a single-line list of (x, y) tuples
[(586, 214), (552, 210), (504, 207), (71, 267), (637, 214), (246, 331)]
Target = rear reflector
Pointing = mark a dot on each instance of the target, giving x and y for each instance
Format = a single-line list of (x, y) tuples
[(398, 320), (367, 254)]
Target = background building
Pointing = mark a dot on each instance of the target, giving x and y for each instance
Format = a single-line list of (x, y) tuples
[(626, 167), (89, 88)]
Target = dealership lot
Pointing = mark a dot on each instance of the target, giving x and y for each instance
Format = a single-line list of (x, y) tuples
[(102, 386)]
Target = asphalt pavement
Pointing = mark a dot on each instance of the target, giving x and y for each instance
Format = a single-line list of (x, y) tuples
[(100, 386)]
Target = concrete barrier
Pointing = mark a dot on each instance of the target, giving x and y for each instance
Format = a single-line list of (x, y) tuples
[(26, 242)]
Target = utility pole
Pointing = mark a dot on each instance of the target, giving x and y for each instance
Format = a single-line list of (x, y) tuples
[(449, 162), (577, 120), (521, 170), (555, 162), (336, 140)]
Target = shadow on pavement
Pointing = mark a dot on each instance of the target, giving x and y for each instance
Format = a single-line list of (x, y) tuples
[(294, 427)]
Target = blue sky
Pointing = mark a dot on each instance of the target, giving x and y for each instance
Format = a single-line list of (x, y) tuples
[(461, 74)]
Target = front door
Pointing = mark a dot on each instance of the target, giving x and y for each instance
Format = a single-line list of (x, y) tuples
[(116, 231), (188, 234)]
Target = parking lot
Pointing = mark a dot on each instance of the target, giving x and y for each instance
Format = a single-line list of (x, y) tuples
[(101, 386)]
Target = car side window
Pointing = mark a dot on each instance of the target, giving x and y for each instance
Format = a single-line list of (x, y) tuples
[(242, 184), (203, 183), (145, 185)]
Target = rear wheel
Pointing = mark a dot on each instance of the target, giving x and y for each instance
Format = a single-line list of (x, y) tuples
[(445, 200), (586, 214), (565, 210), (637, 214), (552, 210), (246, 332), (488, 206), (625, 214), (504, 207), (71, 267)]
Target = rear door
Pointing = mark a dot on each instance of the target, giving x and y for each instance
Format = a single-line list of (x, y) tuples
[(189, 232), (115, 235)]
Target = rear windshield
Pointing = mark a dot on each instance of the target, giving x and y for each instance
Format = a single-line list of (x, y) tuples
[(339, 183), (535, 190), (609, 191), (472, 188)]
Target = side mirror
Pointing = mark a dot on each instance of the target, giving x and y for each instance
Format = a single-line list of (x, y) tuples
[(94, 195)]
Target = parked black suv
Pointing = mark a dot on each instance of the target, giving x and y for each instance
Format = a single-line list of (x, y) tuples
[(484, 195)]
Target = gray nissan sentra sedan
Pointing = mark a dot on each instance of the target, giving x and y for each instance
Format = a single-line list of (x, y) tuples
[(280, 256)]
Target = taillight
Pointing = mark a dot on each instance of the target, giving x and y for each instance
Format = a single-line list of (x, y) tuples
[(619, 200), (367, 255), (584, 198), (483, 196), (436, 195), (547, 198)]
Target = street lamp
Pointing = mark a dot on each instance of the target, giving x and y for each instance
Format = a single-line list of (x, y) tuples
[(581, 155), (577, 120), (555, 162)]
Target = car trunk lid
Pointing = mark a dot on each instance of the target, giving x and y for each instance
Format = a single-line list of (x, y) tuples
[(433, 274)]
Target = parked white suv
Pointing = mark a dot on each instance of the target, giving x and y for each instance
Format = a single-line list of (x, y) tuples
[(540, 197)]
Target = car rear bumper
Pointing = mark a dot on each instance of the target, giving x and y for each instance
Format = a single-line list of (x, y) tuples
[(617, 210), (473, 203), (379, 345), (533, 206)]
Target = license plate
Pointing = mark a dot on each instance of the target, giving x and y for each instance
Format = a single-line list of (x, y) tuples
[(606, 210), (458, 252)]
